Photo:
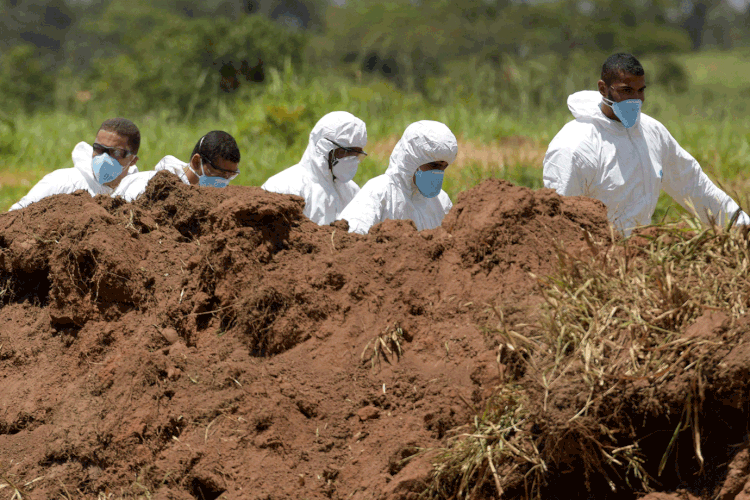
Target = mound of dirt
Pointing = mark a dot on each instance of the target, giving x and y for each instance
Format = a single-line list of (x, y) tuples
[(504, 232), (205, 343)]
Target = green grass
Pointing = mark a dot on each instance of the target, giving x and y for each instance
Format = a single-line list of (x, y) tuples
[(271, 126), (725, 69), (271, 131)]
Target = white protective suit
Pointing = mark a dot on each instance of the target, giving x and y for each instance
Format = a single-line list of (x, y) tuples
[(312, 179), (627, 168), (132, 186), (70, 180), (394, 195)]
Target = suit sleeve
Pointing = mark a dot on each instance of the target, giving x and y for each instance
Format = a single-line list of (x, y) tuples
[(57, 182), (365, 210), (285, 182), (687, 183), (445, 202), (132, 186), (570, 164)]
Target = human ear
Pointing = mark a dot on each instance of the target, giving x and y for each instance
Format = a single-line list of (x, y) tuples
[(602, 88), (195, 161)]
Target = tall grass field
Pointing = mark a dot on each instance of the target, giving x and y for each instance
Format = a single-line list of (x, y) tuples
[(504, 136)]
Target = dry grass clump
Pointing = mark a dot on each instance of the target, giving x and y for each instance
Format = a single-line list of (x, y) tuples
[(385, 346), (615, 315), (622, 310), (488, 452), (505, 152), (6, 290)]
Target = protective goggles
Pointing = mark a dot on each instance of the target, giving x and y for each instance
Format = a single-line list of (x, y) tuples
[(230, 174), (116, 153), (348, 150)]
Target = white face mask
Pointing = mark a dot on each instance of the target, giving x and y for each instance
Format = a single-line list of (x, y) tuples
[(344, 169)]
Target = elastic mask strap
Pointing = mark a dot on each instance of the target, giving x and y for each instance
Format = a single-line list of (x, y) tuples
[(332, 160), (203, 172)]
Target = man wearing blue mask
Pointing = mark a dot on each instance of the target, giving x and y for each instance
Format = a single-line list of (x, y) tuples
[(614, 153), (411, 187), (214, 162), (98, 168)]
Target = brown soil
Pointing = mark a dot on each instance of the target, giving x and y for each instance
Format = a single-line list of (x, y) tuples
[(203, 343)]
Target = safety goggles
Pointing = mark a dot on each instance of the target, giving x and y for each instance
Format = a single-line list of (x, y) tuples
[(116, 153), (348, 150), (232, 174)]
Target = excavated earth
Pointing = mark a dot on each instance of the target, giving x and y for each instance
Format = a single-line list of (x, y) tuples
[(206, 343)]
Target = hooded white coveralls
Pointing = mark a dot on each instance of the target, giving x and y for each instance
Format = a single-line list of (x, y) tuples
[(394, 195), (132, 186), (627, 168), (70, 180), (312, 179)]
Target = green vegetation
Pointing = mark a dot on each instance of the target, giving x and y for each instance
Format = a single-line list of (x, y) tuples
[(272, 125), (498, 73), (494, 71)]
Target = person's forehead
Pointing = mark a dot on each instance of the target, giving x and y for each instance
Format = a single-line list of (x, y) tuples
[(630, 80), (111, 139)]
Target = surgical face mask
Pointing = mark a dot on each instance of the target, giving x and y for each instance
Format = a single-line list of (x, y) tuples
[(207, 180), (344, 169), (429, 182), (106, 168), (627, 111)]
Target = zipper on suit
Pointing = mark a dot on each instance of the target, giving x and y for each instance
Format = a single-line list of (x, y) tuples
[(646, 184)]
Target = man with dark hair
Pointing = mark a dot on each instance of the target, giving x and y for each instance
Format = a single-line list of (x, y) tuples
[(214, 162), (97, 169), (618, 64), (624, 158), (217, 156)]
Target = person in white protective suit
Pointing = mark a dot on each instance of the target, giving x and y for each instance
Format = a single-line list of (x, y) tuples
[(214, 162), (98, 169), (614, 153), (323, 177), (411, 187)]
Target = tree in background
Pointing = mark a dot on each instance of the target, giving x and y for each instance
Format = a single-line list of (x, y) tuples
[(184, 63), (42, 23), (695, 22), (183, 55)]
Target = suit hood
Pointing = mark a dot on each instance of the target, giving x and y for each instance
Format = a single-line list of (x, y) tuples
[(423, 142), (340, 126)]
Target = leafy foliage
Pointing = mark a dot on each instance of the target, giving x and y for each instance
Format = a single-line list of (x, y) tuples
[(186, 64), (25, 80)]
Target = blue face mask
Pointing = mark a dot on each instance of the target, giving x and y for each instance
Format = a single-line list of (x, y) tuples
[(429, 182), (206, 180), (626, 111), (106, 168)]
